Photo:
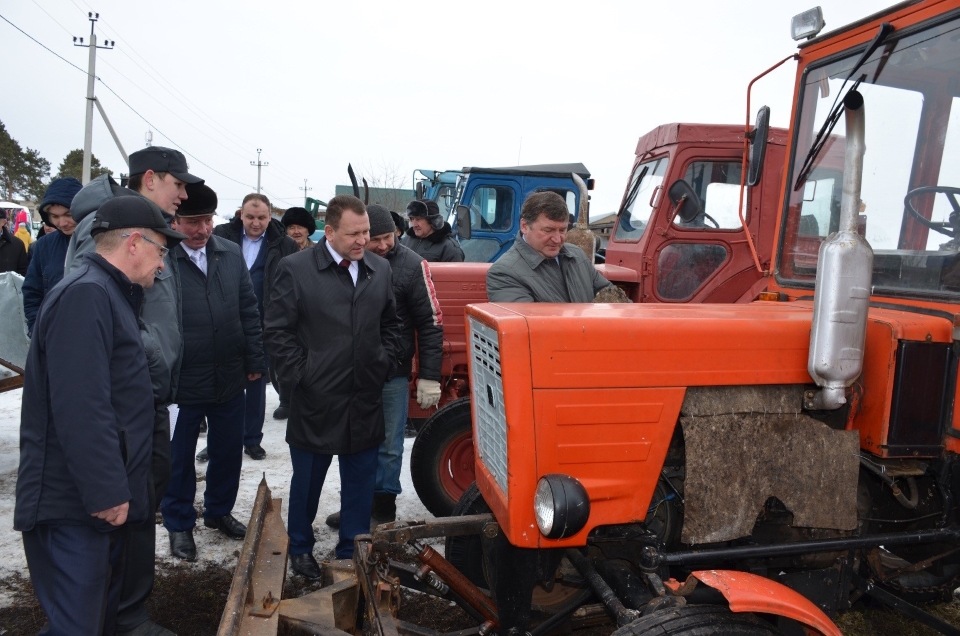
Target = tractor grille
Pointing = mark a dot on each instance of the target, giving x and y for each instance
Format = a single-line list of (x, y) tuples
[(487, 383)]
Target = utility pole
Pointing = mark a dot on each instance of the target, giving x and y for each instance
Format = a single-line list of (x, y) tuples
[(259, 165), (305, 190), (91, 76)]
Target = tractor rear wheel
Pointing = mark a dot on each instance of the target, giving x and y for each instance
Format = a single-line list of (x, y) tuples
[(441, 462), (698, 620)]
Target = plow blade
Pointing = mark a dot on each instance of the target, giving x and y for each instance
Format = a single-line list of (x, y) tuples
[(254, 606)]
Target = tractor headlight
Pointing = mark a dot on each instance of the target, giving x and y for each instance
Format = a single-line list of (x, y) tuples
[(561, 506)]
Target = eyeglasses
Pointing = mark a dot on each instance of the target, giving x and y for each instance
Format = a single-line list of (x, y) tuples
[(164, 250)]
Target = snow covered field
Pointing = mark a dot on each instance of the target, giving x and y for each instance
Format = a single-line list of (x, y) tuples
[(212, 547)]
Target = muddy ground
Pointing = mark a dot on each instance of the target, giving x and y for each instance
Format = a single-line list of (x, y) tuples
[(190, 602)]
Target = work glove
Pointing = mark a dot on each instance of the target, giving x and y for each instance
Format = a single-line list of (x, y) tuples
[(428, 393)]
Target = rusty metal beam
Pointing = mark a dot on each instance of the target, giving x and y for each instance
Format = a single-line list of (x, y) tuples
[(11, 377), (381, 596), (257, 585), (406, 531)]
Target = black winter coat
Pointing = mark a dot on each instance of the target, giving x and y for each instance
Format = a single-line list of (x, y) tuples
[(440, 247), (222, 338), (86, 425), (278, 246), (45, 271), (421, 321), (336, 345), (13, 254)]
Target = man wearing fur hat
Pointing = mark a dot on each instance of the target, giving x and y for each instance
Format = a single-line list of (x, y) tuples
[(299, 225), (429, 235), (222, 353), (46, 257), (541, 267)]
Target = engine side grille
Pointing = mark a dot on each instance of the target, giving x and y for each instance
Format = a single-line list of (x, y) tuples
[(487, 389)]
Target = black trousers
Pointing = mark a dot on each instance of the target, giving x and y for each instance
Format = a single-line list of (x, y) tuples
[(140, 553), (76, 573)]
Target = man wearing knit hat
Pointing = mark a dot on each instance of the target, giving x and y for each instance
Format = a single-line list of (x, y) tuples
[(421, 326), (46, 262), (429, 235)]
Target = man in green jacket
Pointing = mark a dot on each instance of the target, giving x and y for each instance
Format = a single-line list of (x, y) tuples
[(541, 267)]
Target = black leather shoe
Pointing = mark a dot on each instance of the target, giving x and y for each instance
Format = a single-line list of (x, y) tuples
[(282, 412), (182, 546), (255, 451), (334, 520), (305, 565), (202, 455), (227, 525)]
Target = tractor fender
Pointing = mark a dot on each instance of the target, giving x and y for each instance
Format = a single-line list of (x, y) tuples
[(747, 592)]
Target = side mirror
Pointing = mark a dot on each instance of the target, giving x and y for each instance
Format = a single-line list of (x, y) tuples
[(420, 190), (685, 201), (758, 146), (463, 222)]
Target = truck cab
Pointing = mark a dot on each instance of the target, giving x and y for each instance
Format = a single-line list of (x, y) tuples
[(494, 197)]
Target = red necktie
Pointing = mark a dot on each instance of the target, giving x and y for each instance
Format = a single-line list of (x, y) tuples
[(344, 263)]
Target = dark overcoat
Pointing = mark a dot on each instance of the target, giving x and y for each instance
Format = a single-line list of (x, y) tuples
[(336, 344)]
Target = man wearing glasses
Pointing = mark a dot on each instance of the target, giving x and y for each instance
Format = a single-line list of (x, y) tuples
[(86, 437), (222, 352)]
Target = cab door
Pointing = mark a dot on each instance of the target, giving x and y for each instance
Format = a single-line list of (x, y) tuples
[(494, 203), (708, 258)]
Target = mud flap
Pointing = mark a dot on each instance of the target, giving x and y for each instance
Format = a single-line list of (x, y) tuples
[(745, 445)]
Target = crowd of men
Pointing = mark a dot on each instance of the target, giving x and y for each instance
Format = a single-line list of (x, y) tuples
[(148, 322)]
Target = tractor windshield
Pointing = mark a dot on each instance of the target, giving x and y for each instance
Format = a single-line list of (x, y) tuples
[(641, 198), (911, 176)]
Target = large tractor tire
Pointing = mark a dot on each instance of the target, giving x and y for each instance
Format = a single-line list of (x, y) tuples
[(441, 462), (698, 620), (465, 553)]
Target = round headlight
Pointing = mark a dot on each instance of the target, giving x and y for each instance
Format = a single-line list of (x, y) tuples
[(561, 506)]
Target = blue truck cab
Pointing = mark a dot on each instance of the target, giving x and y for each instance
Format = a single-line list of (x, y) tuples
[(494, 197)]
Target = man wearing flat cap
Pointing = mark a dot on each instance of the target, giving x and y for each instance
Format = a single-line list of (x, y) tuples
[(88, 413), (429, 235), (161, 176), (222, 352)]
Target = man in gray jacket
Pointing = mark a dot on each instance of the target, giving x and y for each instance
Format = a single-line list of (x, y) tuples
[(161, 176), (541, 267)]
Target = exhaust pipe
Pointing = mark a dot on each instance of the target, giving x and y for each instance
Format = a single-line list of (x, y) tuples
[(842, 296)]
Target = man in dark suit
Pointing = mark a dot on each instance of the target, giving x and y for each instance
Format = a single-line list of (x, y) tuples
[(331, 325), (222, 352)]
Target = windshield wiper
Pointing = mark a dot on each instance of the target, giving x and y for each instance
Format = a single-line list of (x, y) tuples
[(837, 110), (634, 189)]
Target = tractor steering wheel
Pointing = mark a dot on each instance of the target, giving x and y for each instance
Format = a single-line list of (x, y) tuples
[(948, 228)]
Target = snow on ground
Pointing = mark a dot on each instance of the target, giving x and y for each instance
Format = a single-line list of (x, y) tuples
[(212, 547)]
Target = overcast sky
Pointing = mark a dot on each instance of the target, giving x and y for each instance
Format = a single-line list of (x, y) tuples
[(393, 86)]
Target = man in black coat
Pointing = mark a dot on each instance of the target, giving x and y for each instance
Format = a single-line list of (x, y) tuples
[(86, 424), (263, 242), (331, 325), (13, 254), (421, 326), (222, 351)]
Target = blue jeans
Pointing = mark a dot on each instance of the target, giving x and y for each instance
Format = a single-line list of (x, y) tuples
[(357, 473), (396, 402), (225, 449), (255, 407)]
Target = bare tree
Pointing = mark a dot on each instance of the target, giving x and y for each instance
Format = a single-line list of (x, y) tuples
[(386, 181)]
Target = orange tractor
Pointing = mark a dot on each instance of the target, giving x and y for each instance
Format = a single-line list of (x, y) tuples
[(736, 468)]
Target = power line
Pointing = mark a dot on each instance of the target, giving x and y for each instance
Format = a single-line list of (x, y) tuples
[(137, 113), (41, 44)]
